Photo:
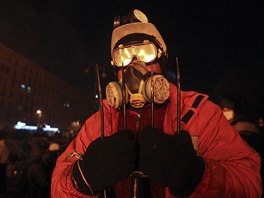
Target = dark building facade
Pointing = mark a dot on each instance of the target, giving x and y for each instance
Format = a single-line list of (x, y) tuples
[(26, 87)]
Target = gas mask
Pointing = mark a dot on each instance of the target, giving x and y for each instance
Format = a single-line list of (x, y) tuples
[(138, 87), (229, 114)]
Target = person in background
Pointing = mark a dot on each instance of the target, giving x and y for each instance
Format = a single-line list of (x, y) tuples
[(4, 160), (143, 146), (247, 129), (239, 122), (49, 158)]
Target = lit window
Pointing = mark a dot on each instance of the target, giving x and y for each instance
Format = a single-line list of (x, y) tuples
[(28, 89), (67, 104), (23, 86)]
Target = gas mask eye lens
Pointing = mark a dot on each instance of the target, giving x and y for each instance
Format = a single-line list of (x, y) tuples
[(123, 56), (144, 52)]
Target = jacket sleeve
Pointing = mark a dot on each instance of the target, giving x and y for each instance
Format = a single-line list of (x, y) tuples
[(61, 182), (232, 166)]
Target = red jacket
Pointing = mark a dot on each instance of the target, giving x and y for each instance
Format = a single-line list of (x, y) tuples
[(232, 167)]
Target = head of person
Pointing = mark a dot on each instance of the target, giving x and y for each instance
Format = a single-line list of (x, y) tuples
[(138, 54), (227, 107)]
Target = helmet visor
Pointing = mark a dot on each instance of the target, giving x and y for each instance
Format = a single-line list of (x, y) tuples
[(122, 56)]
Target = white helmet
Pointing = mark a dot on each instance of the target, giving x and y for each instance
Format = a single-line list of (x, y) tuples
[(135, 23)]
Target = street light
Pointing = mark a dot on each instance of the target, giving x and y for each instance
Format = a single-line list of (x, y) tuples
[(39, 114)]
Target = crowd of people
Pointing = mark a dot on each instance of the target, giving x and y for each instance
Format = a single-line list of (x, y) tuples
[(26, 163)]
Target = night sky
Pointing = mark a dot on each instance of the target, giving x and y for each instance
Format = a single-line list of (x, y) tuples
[(212, 39)]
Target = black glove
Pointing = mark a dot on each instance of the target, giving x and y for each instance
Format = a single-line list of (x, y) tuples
[(171, 160), (106, 161)]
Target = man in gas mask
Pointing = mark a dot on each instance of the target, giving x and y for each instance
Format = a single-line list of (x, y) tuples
[(143, 153)]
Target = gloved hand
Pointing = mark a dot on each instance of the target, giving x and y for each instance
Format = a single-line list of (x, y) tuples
[(106, 161), (171, 160)]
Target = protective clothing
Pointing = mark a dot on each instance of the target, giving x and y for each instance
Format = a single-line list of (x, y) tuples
[(136, 28), (133, 34), (145, 52), (227, 158), (116, 154), (138, 84), (185, 169)]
